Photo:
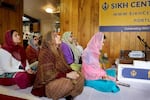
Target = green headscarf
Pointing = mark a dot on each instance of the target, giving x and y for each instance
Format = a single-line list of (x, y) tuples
[(76, 52)]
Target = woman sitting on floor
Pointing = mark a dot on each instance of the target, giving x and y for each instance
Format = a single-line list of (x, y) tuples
[(67, 38), (67, 53), (97, 77), (32, 51), (14, 67), (55, 79)]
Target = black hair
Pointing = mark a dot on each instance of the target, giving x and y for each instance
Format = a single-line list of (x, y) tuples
[(104, 36), (34, 36)]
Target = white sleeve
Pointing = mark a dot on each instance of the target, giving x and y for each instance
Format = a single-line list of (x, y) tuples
[(8, 63), (80, 48), (27, 65)]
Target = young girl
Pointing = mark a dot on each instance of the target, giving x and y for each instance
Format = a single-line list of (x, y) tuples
[(95, 75)]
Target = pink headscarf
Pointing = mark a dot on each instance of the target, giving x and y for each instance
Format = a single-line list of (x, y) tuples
[(90, 58), (17, 51)]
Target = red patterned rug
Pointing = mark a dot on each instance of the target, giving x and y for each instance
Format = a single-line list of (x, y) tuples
[(6, 97)]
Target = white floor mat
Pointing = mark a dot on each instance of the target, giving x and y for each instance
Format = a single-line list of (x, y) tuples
[(134, 92)]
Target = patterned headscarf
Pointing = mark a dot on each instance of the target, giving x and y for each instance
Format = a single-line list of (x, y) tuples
[(90, 58), (76, 52), (17, 51), (51, 61), (31, 42)]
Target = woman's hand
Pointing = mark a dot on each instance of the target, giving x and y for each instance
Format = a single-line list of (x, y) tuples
[(30, 71), (109, 78), (72, 75), (106, 77)]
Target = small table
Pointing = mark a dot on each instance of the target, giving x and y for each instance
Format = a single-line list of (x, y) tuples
[(125, 59)]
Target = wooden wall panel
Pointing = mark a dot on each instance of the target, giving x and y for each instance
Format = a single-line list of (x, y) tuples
[(64, 15), (85, 21), (148, 38), (133, 39), (74, 19), (11, 19), (114, 44), (1, 35), (116, 41), (82, 18), (106, 46)]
